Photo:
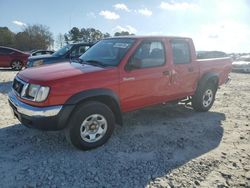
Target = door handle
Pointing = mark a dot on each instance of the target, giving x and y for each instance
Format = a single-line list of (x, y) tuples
[(190, 69), (167, 73)]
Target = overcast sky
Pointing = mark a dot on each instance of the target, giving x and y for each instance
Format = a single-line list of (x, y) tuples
[(213, 24)]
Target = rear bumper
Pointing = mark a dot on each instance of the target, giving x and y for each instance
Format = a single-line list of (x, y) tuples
[(228, 80), (45, 118)]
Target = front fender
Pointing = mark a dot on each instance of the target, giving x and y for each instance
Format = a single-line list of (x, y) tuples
[(106, 96)]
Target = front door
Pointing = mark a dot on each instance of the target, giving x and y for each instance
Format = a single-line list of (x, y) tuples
[(144, 78)]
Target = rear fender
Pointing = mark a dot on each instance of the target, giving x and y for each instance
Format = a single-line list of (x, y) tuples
[(209, 77)]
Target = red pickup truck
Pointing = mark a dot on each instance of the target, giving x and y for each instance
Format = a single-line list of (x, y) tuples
[(87, 98)]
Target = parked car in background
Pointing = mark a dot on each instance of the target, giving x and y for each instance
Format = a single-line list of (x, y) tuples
[(244, 58), (41, 52), (10, 57), (241, 66), (210, 54), (67, 53)]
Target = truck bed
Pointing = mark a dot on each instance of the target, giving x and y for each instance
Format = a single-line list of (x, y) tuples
[(220, 66)]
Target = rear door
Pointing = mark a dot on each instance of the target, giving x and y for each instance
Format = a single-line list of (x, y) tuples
[(185, 71), (5, 57), (142, 82)]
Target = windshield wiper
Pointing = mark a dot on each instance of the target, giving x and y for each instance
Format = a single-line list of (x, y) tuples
[(95, 63), (76, 61)]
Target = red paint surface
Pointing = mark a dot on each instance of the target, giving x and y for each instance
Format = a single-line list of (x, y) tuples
[(136, 88)]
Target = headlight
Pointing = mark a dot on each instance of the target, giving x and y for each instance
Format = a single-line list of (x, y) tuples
[(35, 92), (37, 63), (42, 94)]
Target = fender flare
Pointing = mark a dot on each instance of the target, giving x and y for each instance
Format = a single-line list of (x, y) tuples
[(99, 93), (207, 77)]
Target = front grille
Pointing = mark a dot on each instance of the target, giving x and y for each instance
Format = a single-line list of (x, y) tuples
[(17, 86)]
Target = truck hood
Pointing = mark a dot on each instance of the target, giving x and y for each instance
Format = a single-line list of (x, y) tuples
[(56, 71)]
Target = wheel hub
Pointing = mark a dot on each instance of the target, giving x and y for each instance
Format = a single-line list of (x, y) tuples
[(207, 97), (93, 128), (16, 65)]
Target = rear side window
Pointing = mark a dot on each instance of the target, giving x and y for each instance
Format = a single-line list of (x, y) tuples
[(4, 51), (181, 52)]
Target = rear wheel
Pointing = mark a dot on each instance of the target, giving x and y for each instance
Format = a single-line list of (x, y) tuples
[(204, 97), (16, 65), (90, 126)]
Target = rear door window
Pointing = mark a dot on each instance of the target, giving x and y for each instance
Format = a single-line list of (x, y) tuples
[(181, 52)]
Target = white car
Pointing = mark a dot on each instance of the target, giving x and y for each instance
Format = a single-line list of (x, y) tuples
[(241, 66)]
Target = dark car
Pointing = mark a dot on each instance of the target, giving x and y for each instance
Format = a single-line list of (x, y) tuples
[(42, 52), (67, 53), (210, 54), (10, 57)]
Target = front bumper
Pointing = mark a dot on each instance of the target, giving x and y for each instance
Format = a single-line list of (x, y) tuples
[(28, 110), (45, 118)]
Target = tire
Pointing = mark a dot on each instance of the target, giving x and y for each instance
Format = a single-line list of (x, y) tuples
[(204, 97), (90, 126), (16, 65)]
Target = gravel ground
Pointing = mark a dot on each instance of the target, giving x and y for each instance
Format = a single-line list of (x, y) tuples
[(160, 146)]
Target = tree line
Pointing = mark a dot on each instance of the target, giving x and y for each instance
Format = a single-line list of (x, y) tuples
[(39, 37), (32, 37)]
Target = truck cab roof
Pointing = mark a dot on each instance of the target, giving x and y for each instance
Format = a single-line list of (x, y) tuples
[(150, 37)]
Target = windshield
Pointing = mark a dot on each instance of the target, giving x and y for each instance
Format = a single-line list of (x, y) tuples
[(108, 52), (63, 50)]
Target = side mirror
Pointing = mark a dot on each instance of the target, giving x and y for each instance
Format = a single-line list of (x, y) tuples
[(134, 63), (129, 67)]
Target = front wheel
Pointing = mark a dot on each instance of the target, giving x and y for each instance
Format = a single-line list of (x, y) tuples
[(90, 126), (204, 98)]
